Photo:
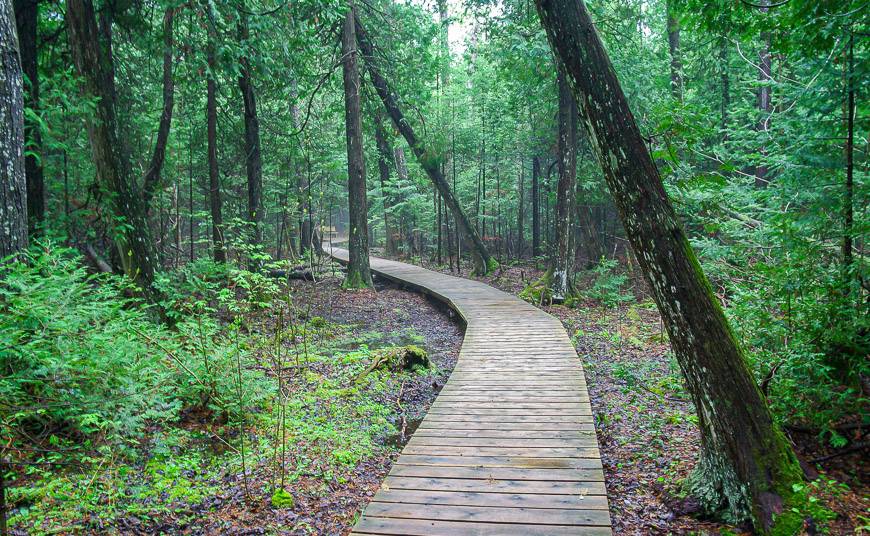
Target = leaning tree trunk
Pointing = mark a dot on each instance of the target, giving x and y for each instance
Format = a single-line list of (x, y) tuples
[(26, 16), (562, 261), (746, 467), (358, 270), (92, 55), (483, 262), (214, 182), (13, 183), (253, 159)]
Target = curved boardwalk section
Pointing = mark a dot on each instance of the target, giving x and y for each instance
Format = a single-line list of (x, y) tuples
[(508, 447)]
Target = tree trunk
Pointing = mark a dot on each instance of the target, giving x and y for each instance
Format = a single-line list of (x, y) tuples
[(746, 467), (536, 209), (562, 261), (402, 172), (152, 177), (13, 181), (725, 83), (482, 260), (214, 180), (253, 159), (674, 47), (763, 104), (358, 272), (26, 15), (385, 164), (848, 216), (521, 208), (92, 54)]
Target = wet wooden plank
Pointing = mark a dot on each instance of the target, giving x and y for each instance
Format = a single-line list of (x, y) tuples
[(509, 445)]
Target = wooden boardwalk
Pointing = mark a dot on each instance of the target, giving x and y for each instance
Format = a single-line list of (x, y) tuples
[(508, 447)]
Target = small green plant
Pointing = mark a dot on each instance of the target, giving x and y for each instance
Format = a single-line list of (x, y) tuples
[(608, 285)]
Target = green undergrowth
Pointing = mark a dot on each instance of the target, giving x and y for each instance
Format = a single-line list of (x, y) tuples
[(115, 420)]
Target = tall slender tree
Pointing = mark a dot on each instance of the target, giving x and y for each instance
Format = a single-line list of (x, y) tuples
[(214, 181), (152, 176), (253, 158), (673, 23), (13, 184), (385, 166), (746, 468), (358, 270), (26, 17), (562, 261), (536, 206)]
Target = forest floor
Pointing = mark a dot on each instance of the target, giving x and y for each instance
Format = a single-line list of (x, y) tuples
[(343, 434), (646, 425)]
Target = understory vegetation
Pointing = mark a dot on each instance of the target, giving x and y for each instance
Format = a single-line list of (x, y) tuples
[(248, 398)]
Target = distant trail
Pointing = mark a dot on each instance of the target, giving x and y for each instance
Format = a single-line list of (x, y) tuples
[(508, 447)]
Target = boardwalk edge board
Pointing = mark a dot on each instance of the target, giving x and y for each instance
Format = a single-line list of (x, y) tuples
[(508, 447)]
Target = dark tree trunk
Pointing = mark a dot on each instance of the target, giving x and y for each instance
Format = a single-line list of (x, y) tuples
[(848, 215), (536, 209), (152, 177), (26, 16), (674, 47), (92, 55), (253, 159), (763, 105), (385, 165), (402, 172), (358, 271), (746, 467), (521, 208), (214, 181), (13, 181), (482, 260), (562, 260), (725, 82)]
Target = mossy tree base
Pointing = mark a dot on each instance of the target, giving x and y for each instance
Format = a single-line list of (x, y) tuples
[(548, 290), (355, 280)]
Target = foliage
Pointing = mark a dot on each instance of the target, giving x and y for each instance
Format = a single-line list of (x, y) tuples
[(78, 358), (608, 285)]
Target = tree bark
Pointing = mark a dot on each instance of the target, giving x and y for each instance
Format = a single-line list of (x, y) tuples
[(763, 104), (536, 209), (26, 16), (13, 180), (402, 172), (725, 83), (385, 164), (482, 260), (521, 208), (152, 177), (848, 213), (674, 48), (253, 158), (562, 262), (214, 182), (358, 270), (92, 54), (746, 467)]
